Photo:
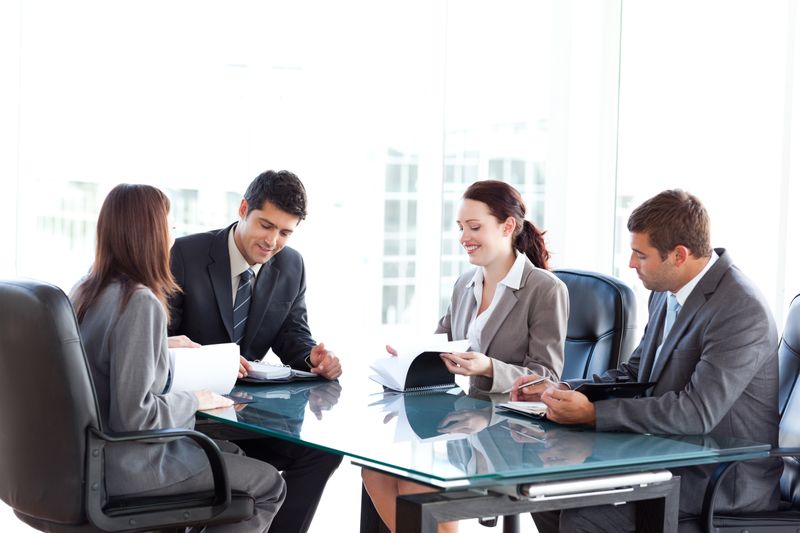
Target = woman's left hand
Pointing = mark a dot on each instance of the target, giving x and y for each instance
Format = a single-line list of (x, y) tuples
[(468, 363)]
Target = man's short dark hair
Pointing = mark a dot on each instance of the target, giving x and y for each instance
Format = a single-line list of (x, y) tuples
[(281, 188), (673, 218)]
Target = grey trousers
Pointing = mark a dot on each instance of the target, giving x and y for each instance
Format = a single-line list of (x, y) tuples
[(256, 478), (601, 518)]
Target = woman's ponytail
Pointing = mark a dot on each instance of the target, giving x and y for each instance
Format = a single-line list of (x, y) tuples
[(530, 241)]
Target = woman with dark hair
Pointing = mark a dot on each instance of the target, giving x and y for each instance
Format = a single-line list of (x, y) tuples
[(122, 312), (510, 307)]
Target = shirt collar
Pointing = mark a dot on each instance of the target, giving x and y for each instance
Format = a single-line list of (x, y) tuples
[(514, 277), (512, 280), (238, 263), (687, 289)]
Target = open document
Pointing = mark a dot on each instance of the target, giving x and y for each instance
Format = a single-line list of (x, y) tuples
[(211, 367), (417, 365)]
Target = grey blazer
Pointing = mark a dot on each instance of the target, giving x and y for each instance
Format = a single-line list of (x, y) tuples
[(525, 333), (717, 375), (130, 365)]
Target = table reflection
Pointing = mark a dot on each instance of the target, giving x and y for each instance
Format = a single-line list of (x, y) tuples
[(441, 436)]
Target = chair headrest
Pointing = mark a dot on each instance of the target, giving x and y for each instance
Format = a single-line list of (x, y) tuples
[(598, 304), (789, 354), (791, 331)]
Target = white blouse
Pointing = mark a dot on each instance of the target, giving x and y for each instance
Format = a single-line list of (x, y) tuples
[(478, 322)]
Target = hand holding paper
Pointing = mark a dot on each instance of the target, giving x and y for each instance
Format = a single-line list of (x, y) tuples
[(212, 368), (418, 364), (468, 363)]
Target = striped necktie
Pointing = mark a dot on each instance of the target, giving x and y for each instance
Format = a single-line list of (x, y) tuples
[(241, 305)]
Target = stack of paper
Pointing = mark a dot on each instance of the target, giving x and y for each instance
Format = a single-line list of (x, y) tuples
[(211, 367)]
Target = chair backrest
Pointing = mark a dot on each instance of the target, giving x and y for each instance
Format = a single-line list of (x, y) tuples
[(789, 354), (47, 402), (602, 323), (789, 400)]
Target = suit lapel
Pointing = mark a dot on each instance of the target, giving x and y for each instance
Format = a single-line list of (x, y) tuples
[(219, 271), (464, 312), (696, 300), (504, 307), (266, 282), (652, 337), (685, 316)]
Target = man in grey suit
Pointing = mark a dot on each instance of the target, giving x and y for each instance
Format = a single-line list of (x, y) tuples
[(710, 346)]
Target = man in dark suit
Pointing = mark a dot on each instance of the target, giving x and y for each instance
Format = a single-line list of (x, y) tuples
[(710, 346), (241, 284)]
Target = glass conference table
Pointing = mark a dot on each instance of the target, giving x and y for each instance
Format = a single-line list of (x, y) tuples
[(486, 462)]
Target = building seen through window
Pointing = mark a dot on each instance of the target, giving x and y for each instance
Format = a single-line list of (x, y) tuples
[(399, 236), (486, 155)]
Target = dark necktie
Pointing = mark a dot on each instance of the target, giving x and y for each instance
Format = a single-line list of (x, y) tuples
[(241, 305)]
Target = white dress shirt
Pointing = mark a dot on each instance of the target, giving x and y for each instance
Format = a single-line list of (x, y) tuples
[(684, 292), (238, 265)]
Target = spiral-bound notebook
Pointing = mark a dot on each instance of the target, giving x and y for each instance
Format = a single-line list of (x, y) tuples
[(261, 372), (416, 368)]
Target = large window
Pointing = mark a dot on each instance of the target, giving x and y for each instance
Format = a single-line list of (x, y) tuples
[(715, 117), (387, 112), (386, 123)]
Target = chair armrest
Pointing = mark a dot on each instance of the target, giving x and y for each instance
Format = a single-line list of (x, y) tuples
[(222, 489), (709, 500), (96, 442)]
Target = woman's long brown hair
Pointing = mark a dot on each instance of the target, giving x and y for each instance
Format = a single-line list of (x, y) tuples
[(133, 241)]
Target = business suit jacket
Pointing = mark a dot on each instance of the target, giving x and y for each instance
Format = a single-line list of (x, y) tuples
[(717, 374), (204, 310), (525, 332), (130, 366)]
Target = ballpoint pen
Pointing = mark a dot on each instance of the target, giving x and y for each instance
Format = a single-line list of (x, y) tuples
[(534, 382)]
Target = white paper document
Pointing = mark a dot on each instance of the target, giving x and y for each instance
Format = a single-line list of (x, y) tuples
[(211, 367), (392, 371)]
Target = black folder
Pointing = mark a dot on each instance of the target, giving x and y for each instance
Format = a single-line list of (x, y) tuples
[(428, 371), (622, 389)]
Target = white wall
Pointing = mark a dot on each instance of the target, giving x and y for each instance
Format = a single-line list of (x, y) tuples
[(9, 138), (705, 90)]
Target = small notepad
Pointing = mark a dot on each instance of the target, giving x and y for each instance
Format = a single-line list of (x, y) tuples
[(266, 371)]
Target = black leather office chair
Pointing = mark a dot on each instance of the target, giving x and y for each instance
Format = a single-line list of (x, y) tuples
[(789, 355), (787, 518), (52, 440), (601, 331)]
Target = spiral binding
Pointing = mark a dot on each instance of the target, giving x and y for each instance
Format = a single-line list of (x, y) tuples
[(427, 388)]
